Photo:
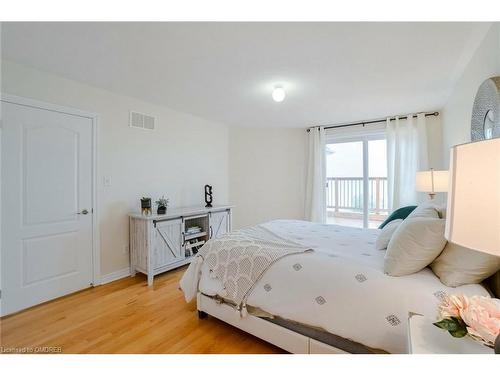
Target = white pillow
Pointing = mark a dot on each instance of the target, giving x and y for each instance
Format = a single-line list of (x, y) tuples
[(426, 209), (386, 233), (414, 245), (458, 265)]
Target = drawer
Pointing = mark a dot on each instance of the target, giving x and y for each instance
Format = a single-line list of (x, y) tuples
[(317, 347)]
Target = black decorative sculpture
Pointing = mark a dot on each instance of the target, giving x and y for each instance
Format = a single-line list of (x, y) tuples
[(208, 196)]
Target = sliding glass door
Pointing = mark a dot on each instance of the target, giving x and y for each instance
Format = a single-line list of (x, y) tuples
[(356, 188)]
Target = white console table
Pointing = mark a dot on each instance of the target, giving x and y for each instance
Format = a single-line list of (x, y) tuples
[(159, 243)]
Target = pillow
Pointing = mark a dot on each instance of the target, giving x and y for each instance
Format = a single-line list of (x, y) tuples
[(458, 265), (400, 213), (386, 233), (426, 209), (414, 245)]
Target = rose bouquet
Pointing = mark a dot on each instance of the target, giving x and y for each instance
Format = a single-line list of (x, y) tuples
[(476, 316)]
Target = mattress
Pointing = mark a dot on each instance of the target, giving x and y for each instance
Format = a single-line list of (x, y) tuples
[(341, 288)]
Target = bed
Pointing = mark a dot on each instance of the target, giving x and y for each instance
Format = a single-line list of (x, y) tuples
[(329, 295)]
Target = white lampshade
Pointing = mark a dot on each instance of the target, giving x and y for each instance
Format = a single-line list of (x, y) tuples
[(473, 218), (432, 181)]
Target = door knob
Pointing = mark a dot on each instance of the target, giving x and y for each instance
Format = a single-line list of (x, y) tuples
[(84, 212)]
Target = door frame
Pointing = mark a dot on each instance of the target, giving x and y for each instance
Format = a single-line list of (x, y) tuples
[(94, 117)]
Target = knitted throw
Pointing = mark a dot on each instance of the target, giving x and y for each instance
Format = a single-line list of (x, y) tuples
[(240, 258)]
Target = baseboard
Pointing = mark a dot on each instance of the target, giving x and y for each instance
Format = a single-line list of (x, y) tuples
[(113, 276)]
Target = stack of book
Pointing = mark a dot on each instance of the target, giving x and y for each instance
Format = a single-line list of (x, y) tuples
[(194, 242), (193, 247), (193, 230)]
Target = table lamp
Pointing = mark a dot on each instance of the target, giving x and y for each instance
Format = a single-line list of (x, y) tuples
[(432, 182), (473, 218)]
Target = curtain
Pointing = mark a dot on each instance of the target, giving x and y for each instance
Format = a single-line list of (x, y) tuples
[(406, 154), (316, 176)]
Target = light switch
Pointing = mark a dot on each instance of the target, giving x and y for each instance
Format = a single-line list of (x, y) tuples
[(107, 181)]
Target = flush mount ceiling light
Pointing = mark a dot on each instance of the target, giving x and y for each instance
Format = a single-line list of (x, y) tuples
[(279, 94)]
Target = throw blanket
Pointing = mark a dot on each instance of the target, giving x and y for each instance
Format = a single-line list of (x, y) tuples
[(238, 260)]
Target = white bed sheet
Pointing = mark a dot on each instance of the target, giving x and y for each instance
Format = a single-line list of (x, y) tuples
[(341, 286)]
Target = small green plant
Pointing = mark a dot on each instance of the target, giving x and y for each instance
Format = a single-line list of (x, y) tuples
[(455, 326), (162, 202)]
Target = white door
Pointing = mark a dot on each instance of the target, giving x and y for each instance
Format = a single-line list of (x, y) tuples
[(167, 242), (46, 205), (219, 223)]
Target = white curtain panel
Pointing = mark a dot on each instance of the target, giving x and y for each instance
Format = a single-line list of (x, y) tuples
[(406, 154), (316, 177)]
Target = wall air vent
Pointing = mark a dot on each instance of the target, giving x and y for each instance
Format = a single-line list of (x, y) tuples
[(142, 121)]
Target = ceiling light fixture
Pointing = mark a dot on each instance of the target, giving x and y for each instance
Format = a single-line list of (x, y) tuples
[(279, 94)]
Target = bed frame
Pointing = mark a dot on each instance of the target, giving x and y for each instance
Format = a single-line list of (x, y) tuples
[(275, 334)]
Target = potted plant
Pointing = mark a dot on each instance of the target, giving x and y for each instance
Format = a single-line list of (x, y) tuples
[(146, 206), (162, 205)]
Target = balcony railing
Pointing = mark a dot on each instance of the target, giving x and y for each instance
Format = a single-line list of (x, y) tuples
[(346, 193)]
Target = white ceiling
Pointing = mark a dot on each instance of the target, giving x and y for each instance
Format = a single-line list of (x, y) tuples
[(332, 72)]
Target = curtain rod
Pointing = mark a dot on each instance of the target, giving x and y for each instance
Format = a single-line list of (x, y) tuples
[(373, 121)]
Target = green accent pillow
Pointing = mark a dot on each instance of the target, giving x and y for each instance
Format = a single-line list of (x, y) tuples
[(400, 213)]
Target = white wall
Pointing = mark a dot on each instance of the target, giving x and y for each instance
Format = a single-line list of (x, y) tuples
[(177, 159), (456, 114), (266, 174)]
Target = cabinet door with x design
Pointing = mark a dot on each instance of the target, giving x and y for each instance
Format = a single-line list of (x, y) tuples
[(219, 223), (167, 242)]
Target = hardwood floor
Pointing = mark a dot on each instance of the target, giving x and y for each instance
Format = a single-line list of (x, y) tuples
[(126, 317)]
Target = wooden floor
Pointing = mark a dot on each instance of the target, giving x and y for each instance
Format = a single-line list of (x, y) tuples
[(126, 316)]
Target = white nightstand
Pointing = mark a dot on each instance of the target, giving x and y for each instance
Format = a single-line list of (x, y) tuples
[(425, 338)]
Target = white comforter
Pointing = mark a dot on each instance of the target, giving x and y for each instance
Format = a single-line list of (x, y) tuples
[(340, 287)]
